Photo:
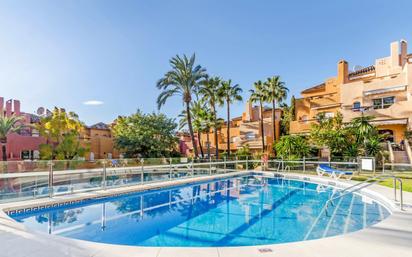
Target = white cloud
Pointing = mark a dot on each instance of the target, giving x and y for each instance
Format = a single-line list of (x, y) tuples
[(93, 102)]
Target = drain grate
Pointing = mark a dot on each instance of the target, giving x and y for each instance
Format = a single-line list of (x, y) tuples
[(265, 250)]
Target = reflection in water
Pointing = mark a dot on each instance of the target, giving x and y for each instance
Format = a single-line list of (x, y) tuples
[(248, 210)]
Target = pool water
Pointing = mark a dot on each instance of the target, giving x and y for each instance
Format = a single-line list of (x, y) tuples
[(238, 211)]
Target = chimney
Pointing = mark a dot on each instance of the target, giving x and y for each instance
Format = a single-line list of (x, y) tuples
[(16, 105), (8, 108), (394, 54), (1, 105), (249, 111), (343, 72), (404, 52)]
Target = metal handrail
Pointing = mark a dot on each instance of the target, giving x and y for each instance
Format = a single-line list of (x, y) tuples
[(374, 180)]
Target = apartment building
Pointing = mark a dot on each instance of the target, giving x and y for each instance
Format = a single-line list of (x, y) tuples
[(382, 90), (322, 98), (23, 145), (245, 130), (98, 138)]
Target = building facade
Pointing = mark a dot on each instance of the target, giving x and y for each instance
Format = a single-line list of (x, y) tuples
[(23, 145), (245, 130), (382, 90), (99, 141)]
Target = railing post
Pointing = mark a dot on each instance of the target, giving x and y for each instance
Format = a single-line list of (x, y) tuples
[(142, 172), (283, 165), (383, 165), (236, 163), (210, 165), (192, 169), (394, 188), (401, 192), (104, 183), (51, 178), (170, 168), (224, 163), (247, 162), (304, 164)]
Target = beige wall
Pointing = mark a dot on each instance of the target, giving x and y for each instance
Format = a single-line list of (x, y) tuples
[(100, 143), (389, 72), (243, 126)]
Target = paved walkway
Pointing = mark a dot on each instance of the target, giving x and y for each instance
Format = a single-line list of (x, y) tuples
[(391, 237)]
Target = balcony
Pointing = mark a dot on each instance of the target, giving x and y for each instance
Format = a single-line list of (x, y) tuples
[(300, 127)]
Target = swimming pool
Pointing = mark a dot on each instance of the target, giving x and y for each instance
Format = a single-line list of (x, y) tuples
[(237, 211)]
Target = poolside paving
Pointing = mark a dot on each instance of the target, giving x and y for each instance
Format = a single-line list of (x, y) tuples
[(389, 238)]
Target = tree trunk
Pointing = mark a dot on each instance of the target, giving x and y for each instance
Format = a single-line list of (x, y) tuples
[(262, 127), (192, 135), (274, 125), (215, 132), (228, 127), (274, 120), (200, 145), (3, 149), (208, 144)]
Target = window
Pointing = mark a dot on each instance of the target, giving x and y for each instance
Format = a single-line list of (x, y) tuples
[(383, 103), (329, 115), (356, 106), (250, 135), (26, 155)]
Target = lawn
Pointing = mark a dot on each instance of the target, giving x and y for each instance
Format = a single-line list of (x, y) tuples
[(405, 176)]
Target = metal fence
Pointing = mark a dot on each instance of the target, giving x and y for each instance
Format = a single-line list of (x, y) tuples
[(20, 180)]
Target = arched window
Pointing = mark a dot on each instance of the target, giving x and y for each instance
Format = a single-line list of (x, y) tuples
[(356, 106)]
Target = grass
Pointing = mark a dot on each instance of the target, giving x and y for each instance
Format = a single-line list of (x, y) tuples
[(405, 176)]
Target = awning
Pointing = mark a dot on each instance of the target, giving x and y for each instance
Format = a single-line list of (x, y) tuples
[(384, 90), (390, 122)]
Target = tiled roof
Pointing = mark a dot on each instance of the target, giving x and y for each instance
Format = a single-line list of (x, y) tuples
[(99, 125), (362, 71)]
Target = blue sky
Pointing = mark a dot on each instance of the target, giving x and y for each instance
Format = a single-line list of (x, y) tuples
[(63, 53)]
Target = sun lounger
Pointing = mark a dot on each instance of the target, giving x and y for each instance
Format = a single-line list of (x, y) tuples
[(334, 173)]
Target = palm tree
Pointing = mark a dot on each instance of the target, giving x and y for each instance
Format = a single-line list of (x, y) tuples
[(196, 123), (362, 128), (229, 94), (183, 79), (8, 125), (209, 91), (202, 122), (275, 91), (258, 96), (364, 131), (207, 123)]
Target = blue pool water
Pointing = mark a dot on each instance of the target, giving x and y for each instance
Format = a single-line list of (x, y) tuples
[(239, 211)]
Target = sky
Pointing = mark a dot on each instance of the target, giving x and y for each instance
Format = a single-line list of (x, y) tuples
[(102, 58)]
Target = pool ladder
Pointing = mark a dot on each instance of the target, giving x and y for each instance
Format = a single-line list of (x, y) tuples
[(373, 180)]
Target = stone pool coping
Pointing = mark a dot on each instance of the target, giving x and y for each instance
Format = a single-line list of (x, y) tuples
[(391, 237)]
